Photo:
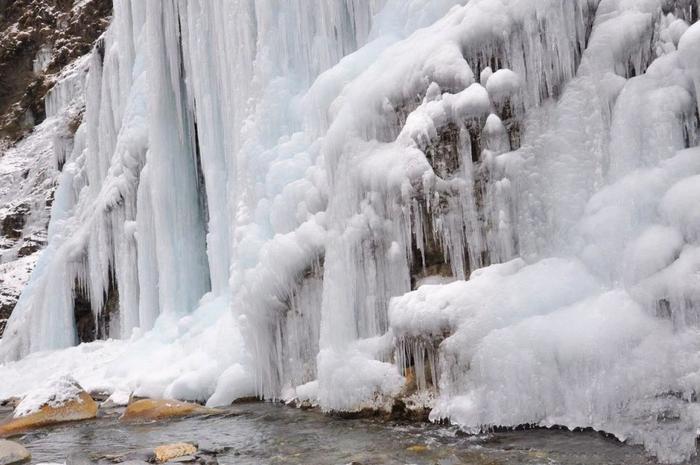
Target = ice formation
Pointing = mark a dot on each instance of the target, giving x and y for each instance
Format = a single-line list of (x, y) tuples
[(308, 199)]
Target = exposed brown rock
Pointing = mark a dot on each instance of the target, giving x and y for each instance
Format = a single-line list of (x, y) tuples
[(13, 223), (28, 26), (29, 247), (159, 409), (173, 451), (81, 408)]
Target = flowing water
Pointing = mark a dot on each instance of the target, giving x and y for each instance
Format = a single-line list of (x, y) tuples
[(268, 433)]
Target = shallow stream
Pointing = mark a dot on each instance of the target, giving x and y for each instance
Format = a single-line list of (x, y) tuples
[(267, 433)]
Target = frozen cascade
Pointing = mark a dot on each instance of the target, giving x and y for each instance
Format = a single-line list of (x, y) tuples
[(319, 200)]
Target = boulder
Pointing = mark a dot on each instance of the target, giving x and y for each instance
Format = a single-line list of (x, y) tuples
[(417, 449), (173, 451), (184, 459), (159, 409), (12, 453), (63, 400)]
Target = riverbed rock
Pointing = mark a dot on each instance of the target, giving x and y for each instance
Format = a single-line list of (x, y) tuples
[(54, 410), (417, 449), (206, 459), (12, 453), (134, 457), (159, 409), (184, 459), (168, 452), (11, 402)]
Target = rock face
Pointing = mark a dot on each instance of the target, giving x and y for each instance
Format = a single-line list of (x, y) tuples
[(79, 408), (40, 40), (12, 453), (159, 409)]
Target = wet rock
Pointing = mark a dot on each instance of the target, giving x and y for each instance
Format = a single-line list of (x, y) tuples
[(184, 459), (14, 222), (169, 453), (29, 247), (11, 402), (99, 396), (159, 409), (206, 447), (206, 459), (26, 29), (78, 459), (12, 453), (172, 451), (135, 457), (81, 407), (451, 460), (417, 449)]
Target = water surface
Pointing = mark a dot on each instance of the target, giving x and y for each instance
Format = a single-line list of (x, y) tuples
[(267, 433)]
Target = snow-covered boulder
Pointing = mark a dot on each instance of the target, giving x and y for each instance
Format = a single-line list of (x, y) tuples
[(59, 401)]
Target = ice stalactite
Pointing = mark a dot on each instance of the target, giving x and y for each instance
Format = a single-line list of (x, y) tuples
[(178, 221), (592, 181), (89, 254)]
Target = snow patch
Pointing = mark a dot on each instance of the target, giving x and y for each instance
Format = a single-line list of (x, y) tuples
[(55, 394)]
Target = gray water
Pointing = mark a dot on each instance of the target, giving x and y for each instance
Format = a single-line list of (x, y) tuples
[(267, 433)]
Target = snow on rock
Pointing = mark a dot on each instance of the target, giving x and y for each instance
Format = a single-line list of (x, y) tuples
[(28, 173), (54, 394), (40, 38), (118, 398), (57, 401)]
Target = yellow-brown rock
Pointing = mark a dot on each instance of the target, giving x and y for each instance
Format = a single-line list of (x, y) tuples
[(418, 449), (159, 409), (410, 386), (80, 408), (173, 451)]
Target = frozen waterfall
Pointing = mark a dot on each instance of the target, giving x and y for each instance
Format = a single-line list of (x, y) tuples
[(486, 208)]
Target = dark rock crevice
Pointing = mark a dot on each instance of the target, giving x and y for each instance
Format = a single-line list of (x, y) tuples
[(88, 326)]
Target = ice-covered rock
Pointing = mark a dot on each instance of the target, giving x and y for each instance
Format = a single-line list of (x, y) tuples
[(59, 401)]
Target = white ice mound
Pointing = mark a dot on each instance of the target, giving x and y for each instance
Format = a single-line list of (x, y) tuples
[(547, 344)]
